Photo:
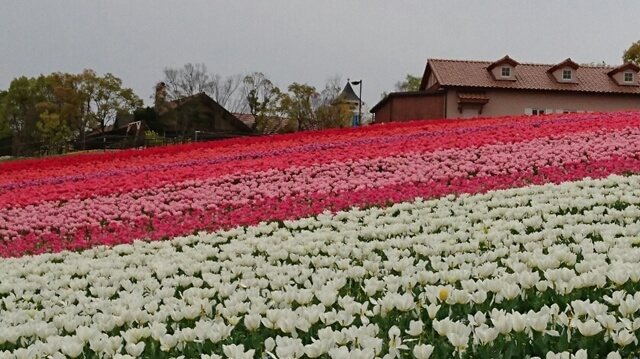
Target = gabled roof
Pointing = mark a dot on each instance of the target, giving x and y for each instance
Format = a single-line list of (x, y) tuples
[(566, 63), (626, 66), (347, 94), (208, 101), (475, 74), (392, 95), (505, 60)]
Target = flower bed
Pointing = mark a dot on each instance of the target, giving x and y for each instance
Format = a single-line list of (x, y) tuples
[(517, 236)]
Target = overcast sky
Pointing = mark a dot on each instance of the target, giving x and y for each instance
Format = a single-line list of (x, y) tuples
[(303, 41)]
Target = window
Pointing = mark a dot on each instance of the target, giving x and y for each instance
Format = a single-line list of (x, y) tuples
[(537, 111), (628, 77), (506, 72), (566, 75)]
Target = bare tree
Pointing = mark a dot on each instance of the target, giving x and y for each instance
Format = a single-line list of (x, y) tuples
[(226, 92), (187, 81), (262, 99), (192, 79)]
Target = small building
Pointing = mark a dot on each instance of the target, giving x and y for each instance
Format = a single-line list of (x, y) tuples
[(348, 97), (128, 135), (197, 117), (506, 87)]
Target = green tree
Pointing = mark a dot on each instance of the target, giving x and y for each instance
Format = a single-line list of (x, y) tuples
[(299, 106), (110, 99), (5, 130), (89, 103), (263, 100), (54, 132), (19, 113), (410, 83), (80, 103), (330, 111), (632, 53)]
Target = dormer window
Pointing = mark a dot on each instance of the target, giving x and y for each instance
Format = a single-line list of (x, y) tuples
[(628, 77), (564, 72), (625, 74), (503, 69)]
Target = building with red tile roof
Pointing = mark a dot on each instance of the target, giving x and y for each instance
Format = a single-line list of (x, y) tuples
[(464, 89)]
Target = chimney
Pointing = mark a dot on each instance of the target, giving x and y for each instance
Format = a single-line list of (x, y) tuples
[(161, 94)]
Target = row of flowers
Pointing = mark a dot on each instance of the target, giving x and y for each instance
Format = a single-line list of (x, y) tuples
[(546, 270), (76, 217), (64, 166), (228, 158), (220, 202)]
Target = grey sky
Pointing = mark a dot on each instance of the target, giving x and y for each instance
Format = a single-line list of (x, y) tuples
[(303, 41)]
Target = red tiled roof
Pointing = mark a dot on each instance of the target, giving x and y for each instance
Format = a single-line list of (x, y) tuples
[(474, 74)]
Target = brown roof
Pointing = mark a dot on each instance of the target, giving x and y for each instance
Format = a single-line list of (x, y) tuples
[(473, 96), (274, 123), (475, 74), (208, 101)]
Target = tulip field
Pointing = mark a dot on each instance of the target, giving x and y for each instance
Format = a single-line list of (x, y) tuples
[(511, 237)]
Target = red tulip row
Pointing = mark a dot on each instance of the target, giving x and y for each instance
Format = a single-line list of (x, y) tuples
[(200, 188)]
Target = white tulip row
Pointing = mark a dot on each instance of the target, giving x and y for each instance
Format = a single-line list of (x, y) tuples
[(341, 278)]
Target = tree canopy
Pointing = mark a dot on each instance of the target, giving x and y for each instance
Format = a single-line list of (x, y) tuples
[(410, 83), (632, 53), (49, 111), (192, 79)]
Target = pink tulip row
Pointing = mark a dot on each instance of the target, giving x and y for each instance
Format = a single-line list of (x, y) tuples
[(149, 174), (392, 171), (80, 167), (91, 163)]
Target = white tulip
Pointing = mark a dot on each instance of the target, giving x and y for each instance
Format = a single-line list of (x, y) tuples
[(619, 276), (237, 351), (518, 321), (628, 306), (395, 342), (459, 338), (135, 350), (423, 351), (502, 323), (252, 321), (415, 328), (486, 334), (589, 328), (167, 342), (72, 347), (432, 310), (404, 302), (317, 348), (442, 327), (341, 352), (624, 337)]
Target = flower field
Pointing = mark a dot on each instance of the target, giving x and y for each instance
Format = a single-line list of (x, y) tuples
[(515, 237)]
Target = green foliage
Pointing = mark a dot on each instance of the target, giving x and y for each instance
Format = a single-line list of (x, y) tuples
[(152, 138), (76, 104), (263, 99), (54, 132), (410, 83), (632, 53), (298, 105)]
